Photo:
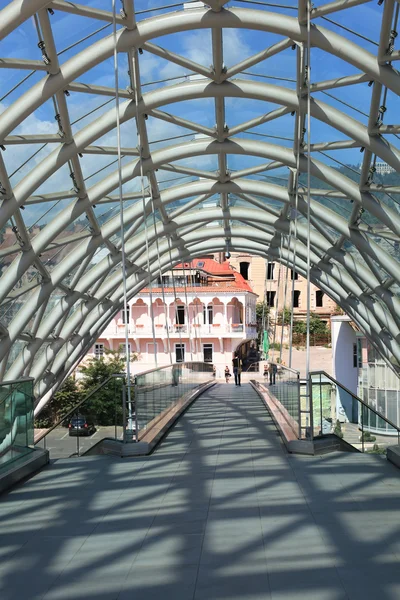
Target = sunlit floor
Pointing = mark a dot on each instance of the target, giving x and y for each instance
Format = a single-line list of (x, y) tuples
[(219, 511)]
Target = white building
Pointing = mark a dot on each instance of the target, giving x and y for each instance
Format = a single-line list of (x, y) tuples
[(204, 311), (383, 168)]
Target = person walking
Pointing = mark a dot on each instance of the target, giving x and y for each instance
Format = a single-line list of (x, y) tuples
[(237, 368), (227, 374), (272, 369), (214, 372)]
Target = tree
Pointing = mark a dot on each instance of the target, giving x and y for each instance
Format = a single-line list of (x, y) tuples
[(262, 310), (317, 326), (63, 401), (105, 406), (285, 315)]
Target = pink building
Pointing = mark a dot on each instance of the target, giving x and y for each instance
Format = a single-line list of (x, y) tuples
[(204, 313)]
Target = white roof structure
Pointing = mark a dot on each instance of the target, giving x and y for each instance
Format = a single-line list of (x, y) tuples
[(285, 90)]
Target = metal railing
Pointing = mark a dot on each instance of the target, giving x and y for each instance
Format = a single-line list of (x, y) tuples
[(335, 409), (325, 407), (177, 329), (108, 411), (106, 398), (284, 384)]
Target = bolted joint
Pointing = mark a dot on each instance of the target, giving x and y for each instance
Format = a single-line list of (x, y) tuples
[(76, 187), (392, 37), (60, 127), (45, 58)]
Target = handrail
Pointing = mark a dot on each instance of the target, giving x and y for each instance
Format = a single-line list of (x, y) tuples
[(178, 364), (378, 414), (73, 410), (284, 367), (102, 384)]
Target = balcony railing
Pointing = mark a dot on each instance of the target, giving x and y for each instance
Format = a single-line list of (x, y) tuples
[(175, 329)]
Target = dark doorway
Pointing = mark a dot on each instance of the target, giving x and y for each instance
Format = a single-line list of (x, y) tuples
[(180, 314)]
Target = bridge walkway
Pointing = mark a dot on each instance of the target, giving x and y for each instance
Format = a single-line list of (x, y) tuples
[(218, 512)]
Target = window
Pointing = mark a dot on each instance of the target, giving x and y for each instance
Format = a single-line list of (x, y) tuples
[(127, 313), (122, 349), (98, 350), (270, 298), (319, 298), (270, 270), (296, 299), (359, 353), (208, 353), (293, 275), (152, 349), (210, 311), (180, 314), (355, 356), (179, 352), (244, 270)]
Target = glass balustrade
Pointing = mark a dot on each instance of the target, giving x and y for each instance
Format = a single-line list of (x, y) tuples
[(284, 386), (118, 411), (337, 410), (156, 391), (98, 416), (16, 420)]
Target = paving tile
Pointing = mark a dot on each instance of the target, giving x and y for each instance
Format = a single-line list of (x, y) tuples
[(218, 512), (161, 583)]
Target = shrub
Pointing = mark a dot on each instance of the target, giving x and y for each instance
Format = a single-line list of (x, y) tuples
[(366, 436), (338, 429)]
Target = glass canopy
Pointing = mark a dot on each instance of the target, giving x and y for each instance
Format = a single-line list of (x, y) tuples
[(131, 126)]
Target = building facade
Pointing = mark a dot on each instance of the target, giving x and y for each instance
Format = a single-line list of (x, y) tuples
[(203, 311), (361, 369), (382, 168), (270, 279), (378, 386)]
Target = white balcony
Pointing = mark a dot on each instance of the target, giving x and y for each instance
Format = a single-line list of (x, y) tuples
[(239, 330)]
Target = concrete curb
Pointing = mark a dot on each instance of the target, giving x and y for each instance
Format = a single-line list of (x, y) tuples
[(23, 467), (154, 435)]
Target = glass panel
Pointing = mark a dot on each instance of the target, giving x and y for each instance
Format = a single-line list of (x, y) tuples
[(336, 410), (16, 420), (72, 431), (157, 391)]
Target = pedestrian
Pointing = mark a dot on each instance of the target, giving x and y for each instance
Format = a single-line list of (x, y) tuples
[(272, 369), (175, 376), (237, 368), (214, 371), (265, 374), (227, 374)]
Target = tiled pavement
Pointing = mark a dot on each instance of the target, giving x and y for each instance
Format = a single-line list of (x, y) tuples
[(218, 512)]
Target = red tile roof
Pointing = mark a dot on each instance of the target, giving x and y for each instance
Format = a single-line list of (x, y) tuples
[(230, 281), (209, 266), (224, 286)]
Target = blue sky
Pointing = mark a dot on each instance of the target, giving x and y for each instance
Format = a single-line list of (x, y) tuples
[(195, 45)]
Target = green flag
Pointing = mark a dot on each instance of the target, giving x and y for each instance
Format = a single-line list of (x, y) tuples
[(265, 344)]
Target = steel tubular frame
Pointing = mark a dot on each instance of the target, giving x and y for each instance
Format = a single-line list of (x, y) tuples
[(363, 281)]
